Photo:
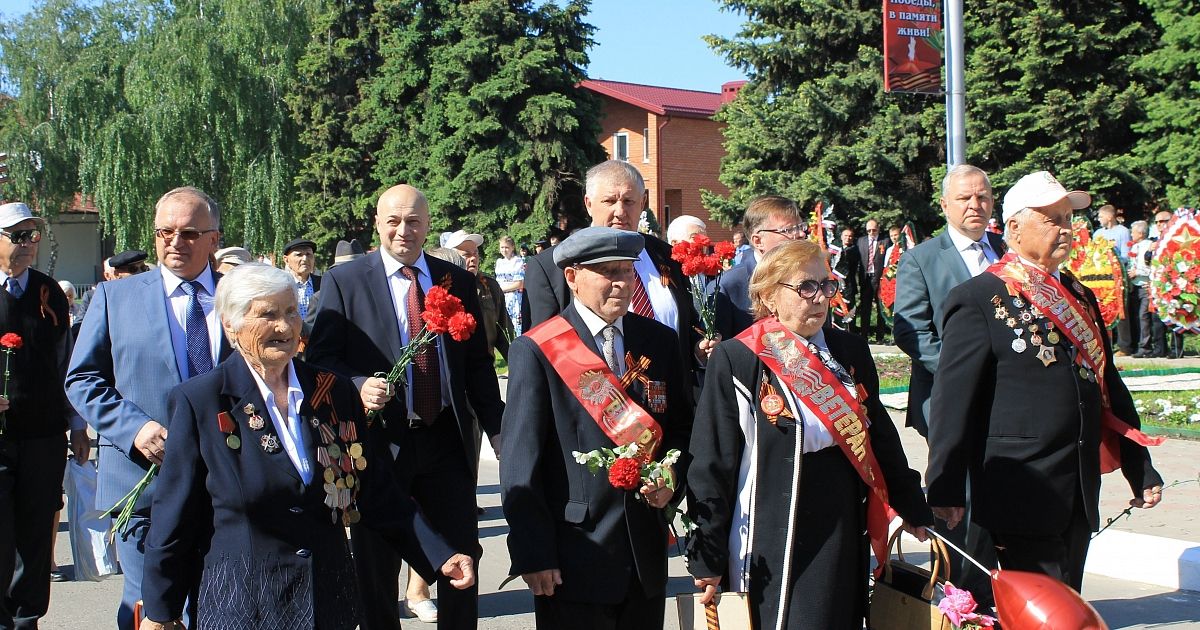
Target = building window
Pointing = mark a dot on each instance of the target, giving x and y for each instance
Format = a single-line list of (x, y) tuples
[(646, 145), (621, 146)]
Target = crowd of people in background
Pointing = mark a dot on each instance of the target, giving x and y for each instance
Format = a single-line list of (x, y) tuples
[(270, 384)]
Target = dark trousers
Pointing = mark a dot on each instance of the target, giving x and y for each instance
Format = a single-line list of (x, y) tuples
[(1126, 337), (432, 467), (977, 542), (31, 476), (869, 303), (1152, 333), (635, 612), (1060, 556)]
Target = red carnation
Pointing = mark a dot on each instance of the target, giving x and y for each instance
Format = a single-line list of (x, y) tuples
[(435, 322), (625, 473), (461, 325), (12, 341), (440, 301), (725, 250)]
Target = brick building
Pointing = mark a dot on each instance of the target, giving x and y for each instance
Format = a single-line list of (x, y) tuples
[(670, 136)]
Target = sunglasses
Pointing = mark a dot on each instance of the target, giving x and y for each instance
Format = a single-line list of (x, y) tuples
[(808, 289), (168, 234), (22, 236), (790, 232)]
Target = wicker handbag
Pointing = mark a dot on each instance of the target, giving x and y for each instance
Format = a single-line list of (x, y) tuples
[(904, 598), (730, 611)]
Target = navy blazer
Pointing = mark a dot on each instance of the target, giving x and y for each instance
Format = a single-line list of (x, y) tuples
[(559, 514), (267, 550), (733, 299), (924, 277), (357, 334), (121, 370)]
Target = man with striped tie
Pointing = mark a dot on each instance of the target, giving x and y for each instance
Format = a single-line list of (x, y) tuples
[(142, 336), (614, 197)]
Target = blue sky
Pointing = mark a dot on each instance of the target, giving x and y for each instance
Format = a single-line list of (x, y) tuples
[(641, 41)]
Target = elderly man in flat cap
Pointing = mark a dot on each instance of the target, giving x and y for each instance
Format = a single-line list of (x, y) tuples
[(299, 256), (1027, 399), (34, 417), (595, 376)]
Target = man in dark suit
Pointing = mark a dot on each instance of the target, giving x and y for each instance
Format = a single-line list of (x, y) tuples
[(769, 220), (34, 417), (925, 277), (614, 197), (142, 336), (1027, 403), (370, 310), (871, 249), (593, 555)]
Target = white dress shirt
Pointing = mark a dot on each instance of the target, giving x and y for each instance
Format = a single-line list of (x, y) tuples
[(291, 429), (399, 286), (596, 325), (177, 308), (970, 258), (666, 311)]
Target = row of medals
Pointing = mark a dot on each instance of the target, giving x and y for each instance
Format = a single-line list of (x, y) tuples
[(1024, 322), (341, 486)]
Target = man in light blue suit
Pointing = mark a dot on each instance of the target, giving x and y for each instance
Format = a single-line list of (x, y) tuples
[(142, 336), (924, 278), (769, 220)]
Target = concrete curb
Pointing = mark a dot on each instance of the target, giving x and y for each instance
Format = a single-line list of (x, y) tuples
[(1143, 558)]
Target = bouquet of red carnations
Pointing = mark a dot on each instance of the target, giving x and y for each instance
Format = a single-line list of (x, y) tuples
[(698, 263)]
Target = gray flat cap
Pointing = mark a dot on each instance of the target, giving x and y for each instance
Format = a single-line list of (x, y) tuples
[(593, 245)]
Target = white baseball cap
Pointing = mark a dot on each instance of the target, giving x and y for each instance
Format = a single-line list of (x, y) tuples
[(454, 239), (14, 213), (1038, 190)]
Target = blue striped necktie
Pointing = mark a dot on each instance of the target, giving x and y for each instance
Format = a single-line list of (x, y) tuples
[(14, 287), (199, 356)]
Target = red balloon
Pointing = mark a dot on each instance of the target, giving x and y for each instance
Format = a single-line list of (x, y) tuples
[(1032, 601)]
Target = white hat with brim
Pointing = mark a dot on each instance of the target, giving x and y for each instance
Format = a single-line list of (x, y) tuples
[(1038, 190), (458, 238), (14, 213)]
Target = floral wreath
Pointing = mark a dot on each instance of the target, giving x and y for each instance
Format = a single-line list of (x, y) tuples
[(1175, 272)]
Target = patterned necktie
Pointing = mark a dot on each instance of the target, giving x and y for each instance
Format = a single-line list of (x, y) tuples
[(304, 293), (981, 260), (610, 350), (195, 330), (426, 374), (871, 256), (14, 287), (641, 300)]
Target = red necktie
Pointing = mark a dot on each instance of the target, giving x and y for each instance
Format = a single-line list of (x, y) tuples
[(641, 301), (426, 375)]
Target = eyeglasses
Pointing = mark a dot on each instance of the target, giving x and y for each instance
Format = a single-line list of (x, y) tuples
[(1161, 221), (808, 289), (22, 236), (792, 231), (168, 234)]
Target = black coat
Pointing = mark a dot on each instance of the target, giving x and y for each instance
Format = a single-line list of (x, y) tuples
[(1028, 433), (267, 551), (547, 294), (357, 334), (559, 514)]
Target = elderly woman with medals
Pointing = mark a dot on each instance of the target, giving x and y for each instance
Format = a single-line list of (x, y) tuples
[(797, 467), (269, 461)]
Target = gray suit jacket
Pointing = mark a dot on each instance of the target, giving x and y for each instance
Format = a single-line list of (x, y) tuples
[(924, 278), (121, 370)]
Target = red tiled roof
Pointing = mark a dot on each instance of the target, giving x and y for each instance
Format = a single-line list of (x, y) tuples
[(660, 100)]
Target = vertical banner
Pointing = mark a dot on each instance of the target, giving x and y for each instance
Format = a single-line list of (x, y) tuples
[(912, 46)]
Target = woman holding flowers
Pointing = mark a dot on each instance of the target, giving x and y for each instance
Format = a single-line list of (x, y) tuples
[(269, 461), (795, 457)]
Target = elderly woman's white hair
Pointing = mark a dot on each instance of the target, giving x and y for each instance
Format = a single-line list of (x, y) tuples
[(67, 288), (678, 230), (244, 284)]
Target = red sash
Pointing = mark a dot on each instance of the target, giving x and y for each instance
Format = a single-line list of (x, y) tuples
[(842, 415), (596, 387), (1070, 318)]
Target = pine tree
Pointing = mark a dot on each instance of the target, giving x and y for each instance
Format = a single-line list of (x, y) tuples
[(1169, 145)]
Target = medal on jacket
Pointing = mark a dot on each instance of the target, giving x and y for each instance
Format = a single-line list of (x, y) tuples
[(771, 403), (256, 421), (227, 426), (269, 443)]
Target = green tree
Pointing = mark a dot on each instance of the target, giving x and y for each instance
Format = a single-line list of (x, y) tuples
[(475, 103), (334, 182), (1169, 144), (814, 122)]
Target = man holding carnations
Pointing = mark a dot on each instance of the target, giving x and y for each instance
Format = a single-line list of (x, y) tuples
[(592, 545), (35, 335)]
